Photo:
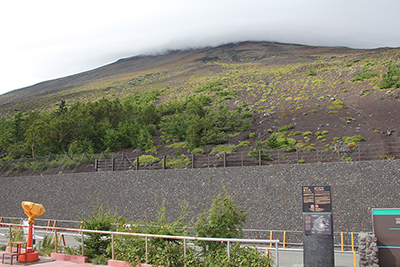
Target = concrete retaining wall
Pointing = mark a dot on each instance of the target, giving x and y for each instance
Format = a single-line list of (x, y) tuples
[(274, 192)]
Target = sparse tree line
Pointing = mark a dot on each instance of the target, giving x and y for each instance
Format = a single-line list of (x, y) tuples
[(113, 125)]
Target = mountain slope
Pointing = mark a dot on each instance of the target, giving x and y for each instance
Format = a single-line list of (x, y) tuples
[(314, 89)]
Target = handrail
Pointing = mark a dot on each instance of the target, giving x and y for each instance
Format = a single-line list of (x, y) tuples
[(184, 238)]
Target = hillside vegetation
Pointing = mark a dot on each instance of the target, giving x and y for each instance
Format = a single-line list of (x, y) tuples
[(252, 95)]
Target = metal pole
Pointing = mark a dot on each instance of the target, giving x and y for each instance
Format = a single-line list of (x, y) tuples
[(10, 236), (146, 248), (83, 251), (112, 247), (277, 254), (56, 239), (184, 250), (229, 251)]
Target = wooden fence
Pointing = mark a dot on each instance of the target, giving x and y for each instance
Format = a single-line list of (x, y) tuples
[(62, 164)]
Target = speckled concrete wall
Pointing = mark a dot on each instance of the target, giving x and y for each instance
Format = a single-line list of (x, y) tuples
[(274, 192)]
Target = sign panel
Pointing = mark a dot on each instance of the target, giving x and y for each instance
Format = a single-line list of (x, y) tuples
[(317, 224), (317, 198), (386, 224)]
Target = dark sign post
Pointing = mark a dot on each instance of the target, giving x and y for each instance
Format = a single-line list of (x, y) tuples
[(318, 243), (386, 223)]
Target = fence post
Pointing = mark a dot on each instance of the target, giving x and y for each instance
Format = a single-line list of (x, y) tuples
[(383, 152), (242, 158), (297, 154), (137, 163), (113, 164), (316, 150), (193, 157), (259, 158), (224, 159), (164, 162), (96, 165), (278, 156), (124, 159), (359, 153)]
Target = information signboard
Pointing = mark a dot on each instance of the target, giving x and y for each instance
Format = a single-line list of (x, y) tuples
[(317, 224), (386, 225), (317, 198)]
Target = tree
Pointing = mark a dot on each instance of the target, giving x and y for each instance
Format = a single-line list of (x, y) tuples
[(225, 219), (95, 245)]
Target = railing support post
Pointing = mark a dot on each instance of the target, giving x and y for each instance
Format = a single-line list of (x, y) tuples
[(112, 247), (229, 252), (83, 248), (56, 240), (147, 248), (184, 250)]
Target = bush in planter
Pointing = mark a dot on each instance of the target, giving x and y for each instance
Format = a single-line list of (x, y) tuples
[(95, 245)]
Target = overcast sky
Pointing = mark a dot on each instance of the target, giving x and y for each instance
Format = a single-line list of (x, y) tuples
[(48, 39)]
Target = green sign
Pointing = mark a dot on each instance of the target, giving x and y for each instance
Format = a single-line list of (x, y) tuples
[(386, 223)]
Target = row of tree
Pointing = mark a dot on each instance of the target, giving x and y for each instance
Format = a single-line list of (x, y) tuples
[(112, 125)]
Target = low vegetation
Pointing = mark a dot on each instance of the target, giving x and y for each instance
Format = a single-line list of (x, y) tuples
[(224, 219)]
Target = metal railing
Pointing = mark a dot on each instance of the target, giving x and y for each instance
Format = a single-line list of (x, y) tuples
[(147, 236)]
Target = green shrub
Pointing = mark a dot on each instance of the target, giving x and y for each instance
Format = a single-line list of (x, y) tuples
[(46, 246), (255, 152), (307, 133), (344, 159), (391, 79), (146, 160), (223, 148), (177, 145), (337, 104), (243, 143), (353, 139), (197, 151), (178, 161), (224, 219), (95, 244), (311, 73), (286, 128), (211, 87)]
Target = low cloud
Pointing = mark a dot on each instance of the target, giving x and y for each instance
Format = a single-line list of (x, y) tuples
[(47, 39)]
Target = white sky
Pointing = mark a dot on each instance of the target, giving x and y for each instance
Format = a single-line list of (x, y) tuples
[(48, 39)]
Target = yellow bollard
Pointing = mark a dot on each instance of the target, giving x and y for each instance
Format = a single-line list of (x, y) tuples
[(354, 259), (352, 241), (284, 239), (267, 253), (341, 237), (270, 238)]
